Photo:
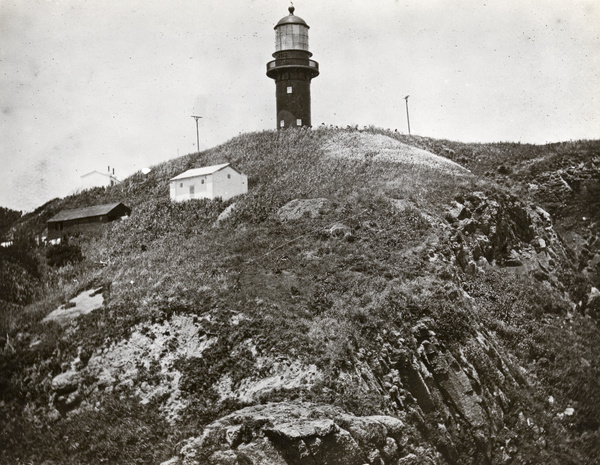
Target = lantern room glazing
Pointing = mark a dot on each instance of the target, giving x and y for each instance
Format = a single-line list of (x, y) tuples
[(291, 37)]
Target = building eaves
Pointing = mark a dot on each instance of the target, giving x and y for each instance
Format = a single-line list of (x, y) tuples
[(206, 170), (88, 212), (106, 175)]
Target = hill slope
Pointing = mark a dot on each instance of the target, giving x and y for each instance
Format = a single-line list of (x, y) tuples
[(368, 301)]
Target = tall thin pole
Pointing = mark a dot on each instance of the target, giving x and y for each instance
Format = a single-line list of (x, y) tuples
[(197, 136), (407, 117)]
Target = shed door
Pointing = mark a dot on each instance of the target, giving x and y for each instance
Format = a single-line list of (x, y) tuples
[(192, 190)]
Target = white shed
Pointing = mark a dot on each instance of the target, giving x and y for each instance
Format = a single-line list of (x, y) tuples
[(96, 179), (208, 182)]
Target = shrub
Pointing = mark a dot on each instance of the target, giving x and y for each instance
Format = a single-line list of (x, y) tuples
[(62, 254), (8, 218), (19, 275), (122, 431)]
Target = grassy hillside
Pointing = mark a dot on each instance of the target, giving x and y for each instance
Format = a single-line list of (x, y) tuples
[(407, 286)]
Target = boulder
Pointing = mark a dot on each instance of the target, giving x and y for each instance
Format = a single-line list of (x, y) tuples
[(295, 432), (340, 231), (457, 212), (304, 429), (259, 452), (299, 208), (593, 304), (66, 403), (224, 215), (66, 382), (514, 259)]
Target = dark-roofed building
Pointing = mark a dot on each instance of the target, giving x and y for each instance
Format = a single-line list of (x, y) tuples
[(84, 219)]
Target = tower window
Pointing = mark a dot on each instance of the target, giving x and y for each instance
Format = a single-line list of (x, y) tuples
[(298, 122), (289, 89), (281, 123)]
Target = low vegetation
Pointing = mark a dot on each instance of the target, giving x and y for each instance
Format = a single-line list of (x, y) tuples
[(366, 283)]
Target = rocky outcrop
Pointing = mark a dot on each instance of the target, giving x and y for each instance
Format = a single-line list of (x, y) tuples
[(300, 433), (569, 189), (436, 381), (502, 232), (277, 375)]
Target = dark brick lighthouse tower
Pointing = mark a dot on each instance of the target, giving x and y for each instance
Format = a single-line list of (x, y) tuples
[(292, 70)]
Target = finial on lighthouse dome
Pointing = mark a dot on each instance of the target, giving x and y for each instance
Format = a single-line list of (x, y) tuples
[(291, 18)]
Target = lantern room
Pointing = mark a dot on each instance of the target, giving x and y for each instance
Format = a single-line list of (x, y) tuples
[(291, 33)]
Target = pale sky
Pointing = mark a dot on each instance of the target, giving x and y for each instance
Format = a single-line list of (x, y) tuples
[(89, 83)]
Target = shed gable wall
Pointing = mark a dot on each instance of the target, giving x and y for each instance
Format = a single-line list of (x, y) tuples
[(229, 183), (198, 187)]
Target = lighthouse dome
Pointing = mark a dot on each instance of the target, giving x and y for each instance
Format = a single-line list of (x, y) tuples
[(291, 19)]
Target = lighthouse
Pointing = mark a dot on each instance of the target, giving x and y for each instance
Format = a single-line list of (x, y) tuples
[(292, 69)]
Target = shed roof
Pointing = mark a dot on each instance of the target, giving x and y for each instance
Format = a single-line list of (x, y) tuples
[(201, 171), (107, 175), (112, 177), (96, 210)]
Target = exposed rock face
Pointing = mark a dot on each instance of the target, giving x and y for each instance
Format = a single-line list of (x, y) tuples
[(280, 374), (507, 234), (299, 433), (569, 189), (85, 302), (437, 381), (151, 349)]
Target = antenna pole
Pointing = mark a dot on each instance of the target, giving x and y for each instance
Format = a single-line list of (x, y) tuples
[(197, 136), (407, 116)]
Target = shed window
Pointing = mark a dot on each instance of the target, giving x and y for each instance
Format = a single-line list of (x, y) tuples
[(180, 184), (202, 181), (289, 89), (228, 176)]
